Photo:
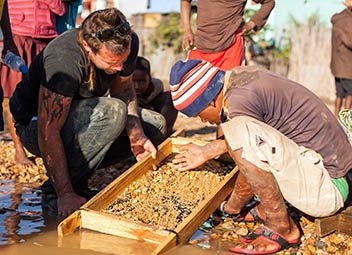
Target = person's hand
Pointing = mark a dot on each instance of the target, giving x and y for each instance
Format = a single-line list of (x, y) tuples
[(248, 27), (190, 157), (142, 147), (68, 203), (187, 40)]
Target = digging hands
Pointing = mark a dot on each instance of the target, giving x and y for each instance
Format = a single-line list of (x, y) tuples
[(142, 147), (190, 157)]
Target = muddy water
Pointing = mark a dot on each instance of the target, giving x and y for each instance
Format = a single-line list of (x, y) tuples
[(20, 212), (25, 230)]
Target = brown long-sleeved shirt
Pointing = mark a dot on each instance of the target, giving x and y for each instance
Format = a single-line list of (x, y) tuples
[(218, 21), (341, 50)]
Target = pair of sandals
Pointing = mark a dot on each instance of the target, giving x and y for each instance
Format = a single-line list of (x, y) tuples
[(261, 232)]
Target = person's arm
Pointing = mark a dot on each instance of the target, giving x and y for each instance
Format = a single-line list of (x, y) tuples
[(188, 37), (53, 109), (122, 88), (9, 44), (192, 156), (261, 16)]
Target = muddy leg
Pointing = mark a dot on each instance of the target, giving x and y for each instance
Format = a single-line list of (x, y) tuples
[(264, 185), (240, 196)]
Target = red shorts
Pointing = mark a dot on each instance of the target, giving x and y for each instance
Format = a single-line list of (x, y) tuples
[(226, 59)]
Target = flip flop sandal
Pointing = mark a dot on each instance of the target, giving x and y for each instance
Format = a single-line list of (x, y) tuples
[(253, 215), (256, 233), (273, 237)]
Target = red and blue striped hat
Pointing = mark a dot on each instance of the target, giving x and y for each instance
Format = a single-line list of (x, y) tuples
[(194, 84)]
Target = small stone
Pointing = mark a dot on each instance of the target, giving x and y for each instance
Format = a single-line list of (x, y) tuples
[(307, 252), (312, 249), (226, 235), (320, 244), (242, 232), (331, 249), (334, 239), (204, 245), (215, 236), (194, 241), (250, 247)]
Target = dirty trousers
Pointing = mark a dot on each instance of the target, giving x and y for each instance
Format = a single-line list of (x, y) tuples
[(94, 130), (301, 176)]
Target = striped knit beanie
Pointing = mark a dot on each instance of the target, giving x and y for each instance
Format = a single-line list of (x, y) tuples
[(194, 84)]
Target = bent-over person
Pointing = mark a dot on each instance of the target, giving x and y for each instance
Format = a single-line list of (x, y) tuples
[(79, 104), (287, 144)]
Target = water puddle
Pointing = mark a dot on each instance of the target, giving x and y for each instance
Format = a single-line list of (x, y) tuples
[(20, 212), (25, 230)]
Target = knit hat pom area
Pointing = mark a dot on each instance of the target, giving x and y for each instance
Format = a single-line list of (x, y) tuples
[(194, 84)]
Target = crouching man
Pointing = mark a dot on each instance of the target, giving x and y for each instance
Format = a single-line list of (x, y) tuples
[(78, 106), (285, 141)]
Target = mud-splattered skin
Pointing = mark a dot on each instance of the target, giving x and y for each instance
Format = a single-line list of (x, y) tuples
[(253, 180), (52, 114)]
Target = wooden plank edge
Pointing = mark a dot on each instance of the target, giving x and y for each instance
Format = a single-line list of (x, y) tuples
[(114, 225), (348, 210), (189, 226), (327, 225), (170, 242), (345, 223), (70, 224)]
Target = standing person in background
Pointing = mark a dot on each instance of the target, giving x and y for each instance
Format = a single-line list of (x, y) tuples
[(220, 28), (151, 95), (68, 20), (8, 45), (341, 55), (219, 38), (285, 148), (33, 27)]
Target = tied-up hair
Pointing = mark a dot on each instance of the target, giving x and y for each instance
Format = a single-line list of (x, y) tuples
[(109, 28)]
